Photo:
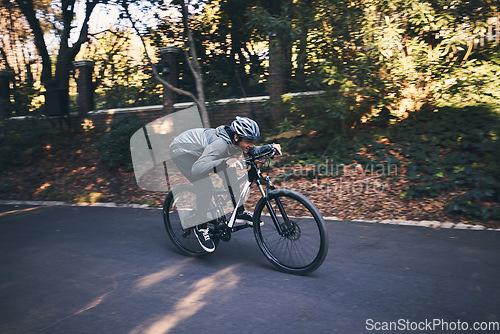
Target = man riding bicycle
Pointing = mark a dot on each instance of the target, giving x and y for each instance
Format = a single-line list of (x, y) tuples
[(198, 152)]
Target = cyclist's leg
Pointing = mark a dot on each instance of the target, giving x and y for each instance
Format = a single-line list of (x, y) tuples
[(230, 180), (204, 190), (203, 186)]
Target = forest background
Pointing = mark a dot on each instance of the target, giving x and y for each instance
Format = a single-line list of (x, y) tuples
[(403, 122)]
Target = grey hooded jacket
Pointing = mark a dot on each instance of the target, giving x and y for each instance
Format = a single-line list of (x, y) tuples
[(211, 146)]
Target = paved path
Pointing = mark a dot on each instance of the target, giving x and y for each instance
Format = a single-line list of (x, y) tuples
[(113, 270)]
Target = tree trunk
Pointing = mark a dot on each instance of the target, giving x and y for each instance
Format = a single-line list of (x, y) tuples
[(28, 10), (58, 83), (192, 60), (304, 19), (277, 75), (279, 63), (194, 65)]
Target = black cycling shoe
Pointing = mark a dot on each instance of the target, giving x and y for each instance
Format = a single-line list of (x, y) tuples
[(203, 236)]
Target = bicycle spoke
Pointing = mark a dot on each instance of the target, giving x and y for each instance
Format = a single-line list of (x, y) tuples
[(300, 247)]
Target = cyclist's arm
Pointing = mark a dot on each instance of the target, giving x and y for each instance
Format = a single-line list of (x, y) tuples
[(213, 156)]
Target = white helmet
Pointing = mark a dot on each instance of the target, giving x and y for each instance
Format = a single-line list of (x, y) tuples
[(246, 128)]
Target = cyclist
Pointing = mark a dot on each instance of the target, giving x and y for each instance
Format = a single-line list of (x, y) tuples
[(198, 152)]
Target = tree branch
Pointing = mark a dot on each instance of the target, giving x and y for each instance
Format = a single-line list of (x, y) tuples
[(469, 50), (82, 38), (200, 100), (194, 65), (26, 7)]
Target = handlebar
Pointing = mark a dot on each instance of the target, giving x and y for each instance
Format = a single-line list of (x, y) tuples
[(260, 156)]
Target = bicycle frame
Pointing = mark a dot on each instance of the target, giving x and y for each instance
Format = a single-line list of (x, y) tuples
[(254, 175), (243, 195)]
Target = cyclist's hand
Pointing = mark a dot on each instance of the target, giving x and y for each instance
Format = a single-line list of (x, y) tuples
[(234, 163), (277, 147)]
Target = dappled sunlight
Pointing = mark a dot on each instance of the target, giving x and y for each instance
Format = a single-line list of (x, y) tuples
[(21, 211), (94, 303), (88, 125), (193, 302), (152, 279), (163, 126), (42, 187), (149, 149)]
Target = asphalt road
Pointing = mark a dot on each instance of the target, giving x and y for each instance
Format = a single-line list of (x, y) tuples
[(113, 270)]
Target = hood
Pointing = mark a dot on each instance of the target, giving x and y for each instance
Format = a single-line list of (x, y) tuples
[(221, 132)]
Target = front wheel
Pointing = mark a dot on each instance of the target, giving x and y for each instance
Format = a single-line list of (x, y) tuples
[(292, 234)]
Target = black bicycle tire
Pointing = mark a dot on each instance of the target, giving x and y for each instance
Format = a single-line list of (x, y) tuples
[(168, 224), (323, 233)]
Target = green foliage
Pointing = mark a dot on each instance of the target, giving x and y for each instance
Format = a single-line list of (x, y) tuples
[(53, 193), (401, 55), (122, 77), (445, 150), (453, 148), (395, 55), (89, 197), (229, 49), (25, 100), (266, 22), (476, 81), (20, 144), (114, 146), (326, 128)]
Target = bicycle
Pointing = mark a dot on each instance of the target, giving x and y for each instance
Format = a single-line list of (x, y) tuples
[(288, 227)]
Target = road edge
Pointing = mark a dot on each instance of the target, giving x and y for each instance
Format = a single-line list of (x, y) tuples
[(422, 223)]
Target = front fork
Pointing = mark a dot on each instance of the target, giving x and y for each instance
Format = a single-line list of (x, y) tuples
[(282, 228)]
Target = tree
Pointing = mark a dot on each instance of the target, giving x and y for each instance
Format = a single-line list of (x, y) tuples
[(271, 21), (13, 38), (122, 77), (17, 58), (231, 54), (224, 35), (397, 54), (191, 58), (62, 19), (304, 17)]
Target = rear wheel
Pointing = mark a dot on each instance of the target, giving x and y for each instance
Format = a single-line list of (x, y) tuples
[(302, 245), (182, 204)]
